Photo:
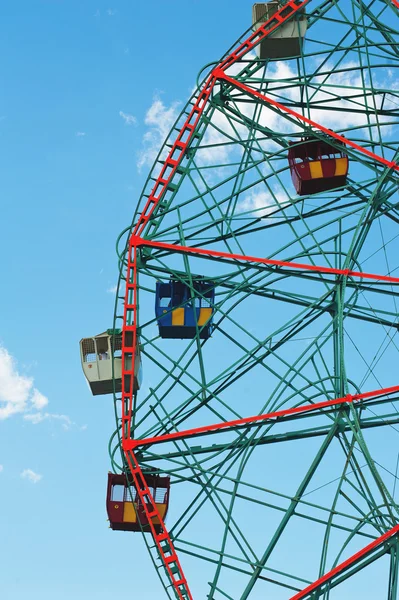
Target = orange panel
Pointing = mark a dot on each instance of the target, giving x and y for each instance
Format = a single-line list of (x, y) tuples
[(178, 316), (316, 172), (129, 513), (341, 166), (162, 511), (204, 316)]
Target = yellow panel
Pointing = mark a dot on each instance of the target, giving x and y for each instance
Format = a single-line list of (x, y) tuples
[(129, 513), (204, 316), (316, 172), (341, 166), (162, 510), (178, 316)]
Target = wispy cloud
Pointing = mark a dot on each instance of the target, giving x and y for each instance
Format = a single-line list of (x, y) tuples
[(17, 392), (111, 12), (1, 468), (39, 417), (159, 120), (80, 133), (129, 119), (262, 202), (31, 476), (112, 289)]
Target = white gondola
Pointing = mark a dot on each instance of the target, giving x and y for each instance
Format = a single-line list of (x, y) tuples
[(96, 355), (287, 40)]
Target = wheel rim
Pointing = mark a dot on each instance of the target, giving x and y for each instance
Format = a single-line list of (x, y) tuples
[(283, 337)]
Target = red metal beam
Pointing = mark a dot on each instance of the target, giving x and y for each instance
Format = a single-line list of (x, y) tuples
[(136, 241), (179, 147), (220, 74), (178, 435), (163, 182), (163, 541), (346, 564)]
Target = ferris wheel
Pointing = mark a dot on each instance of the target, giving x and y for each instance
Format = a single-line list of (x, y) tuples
[(254, 355)]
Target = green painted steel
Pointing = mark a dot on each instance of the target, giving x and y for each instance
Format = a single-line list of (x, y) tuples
[(263, 511)]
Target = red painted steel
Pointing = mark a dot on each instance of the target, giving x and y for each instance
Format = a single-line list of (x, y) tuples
[(219, 74), (163, 182), (186, 133), (175, 156), (136, 241), (166, 550), (347, 563), (129, 336), (298, 410)]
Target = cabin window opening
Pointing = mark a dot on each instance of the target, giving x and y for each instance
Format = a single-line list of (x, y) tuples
[(164, 302), (89, 351), (118, 493), (116, 345), (159, 495), (102, 348), (206, 302)]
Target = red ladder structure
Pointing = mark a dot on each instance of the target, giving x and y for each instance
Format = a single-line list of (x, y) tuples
[(166, 181)]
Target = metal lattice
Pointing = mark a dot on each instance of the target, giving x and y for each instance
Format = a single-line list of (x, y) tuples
[(279, 432)]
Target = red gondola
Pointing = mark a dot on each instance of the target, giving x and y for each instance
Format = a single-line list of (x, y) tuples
[(317, 166), (125, 515)]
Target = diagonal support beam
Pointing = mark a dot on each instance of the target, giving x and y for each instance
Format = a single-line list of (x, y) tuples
[(221, 75), (163, 542), (289, 513), (365, 552), (130, 444), (136, 241)]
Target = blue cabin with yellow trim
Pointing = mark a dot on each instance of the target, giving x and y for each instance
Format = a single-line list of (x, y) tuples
[(181, 309)]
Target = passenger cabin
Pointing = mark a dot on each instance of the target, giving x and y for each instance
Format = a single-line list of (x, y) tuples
[(287, 40), (317, 166), (125, 515), (178, 313), (96, 357)]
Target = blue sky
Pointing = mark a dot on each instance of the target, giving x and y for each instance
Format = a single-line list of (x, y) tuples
[(69, 183), (87, 92)]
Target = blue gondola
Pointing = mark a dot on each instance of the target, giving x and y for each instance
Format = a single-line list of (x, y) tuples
[(175, 313)]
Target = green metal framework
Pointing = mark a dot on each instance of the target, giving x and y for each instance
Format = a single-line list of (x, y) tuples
[(299, 504)]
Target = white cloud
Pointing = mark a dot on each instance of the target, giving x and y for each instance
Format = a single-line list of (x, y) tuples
[(111, 12), (1, 468), (31, 475), (346, 82), (38, 400), (159, 119), (112, 289), (39, 417), (35, 418), (80, 133), (262, 202), (17, 392), (129, 119)]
